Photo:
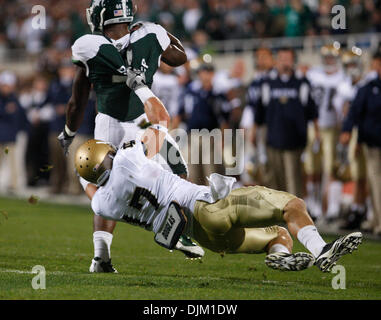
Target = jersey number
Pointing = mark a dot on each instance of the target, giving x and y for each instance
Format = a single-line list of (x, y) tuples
[(144, 66), (141, 192)]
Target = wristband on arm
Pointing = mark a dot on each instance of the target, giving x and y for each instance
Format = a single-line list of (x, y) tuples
[(69, 132), (160, 128), (144, 94)]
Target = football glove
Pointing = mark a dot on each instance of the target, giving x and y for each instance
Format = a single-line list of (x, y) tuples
[(136, 79), (65, 140)]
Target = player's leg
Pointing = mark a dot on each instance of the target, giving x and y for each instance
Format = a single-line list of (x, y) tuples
[(258, 207), (276, 172), (280, 256), (373, 164), (265, 207), (293, 174), (330, 200), (232, 225), (312, 166), (302, 227), (275, 241), (357, 211), (110, 130)]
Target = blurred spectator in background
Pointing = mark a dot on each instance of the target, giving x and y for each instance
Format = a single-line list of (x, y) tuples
[(220, 19), (346, 92), (192, 15), (39, 113), (285, 106), (229, 84), (298, 18), (256, 137), (58, 96), (323, 18), (365, 113), (12, 120), (167, 88), (201, 109), (358, 15), (321, 151), (63, 178)]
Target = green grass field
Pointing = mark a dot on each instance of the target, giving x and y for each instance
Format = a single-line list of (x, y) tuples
[(59, 237)]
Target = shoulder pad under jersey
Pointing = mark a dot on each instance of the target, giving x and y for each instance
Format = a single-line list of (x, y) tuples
[(87, 47), (141, 29)]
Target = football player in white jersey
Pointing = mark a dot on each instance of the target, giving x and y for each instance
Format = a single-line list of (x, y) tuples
[(126, 185), (346, 92), (321, 151)]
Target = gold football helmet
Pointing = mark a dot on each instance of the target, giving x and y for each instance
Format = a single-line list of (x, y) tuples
[(350, 57), (93, 161), (330, 50), (330, 56), (351, 60)]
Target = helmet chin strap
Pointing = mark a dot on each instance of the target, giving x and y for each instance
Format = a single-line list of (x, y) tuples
[(107, 164), (103, 178)]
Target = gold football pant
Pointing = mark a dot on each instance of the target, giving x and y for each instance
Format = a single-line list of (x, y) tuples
[(324, 160), (356, 158), (243, 222)]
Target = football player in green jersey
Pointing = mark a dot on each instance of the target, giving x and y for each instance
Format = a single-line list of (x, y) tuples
[(103, 59)]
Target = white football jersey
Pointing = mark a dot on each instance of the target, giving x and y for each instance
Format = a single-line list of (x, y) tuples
[(346, 92), (324, 90), (166, 87), (139, 191)]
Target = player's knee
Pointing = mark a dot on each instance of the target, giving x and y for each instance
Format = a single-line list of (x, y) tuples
[(296, 206)]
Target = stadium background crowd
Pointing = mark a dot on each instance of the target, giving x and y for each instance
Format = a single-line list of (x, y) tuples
[(37, 100)]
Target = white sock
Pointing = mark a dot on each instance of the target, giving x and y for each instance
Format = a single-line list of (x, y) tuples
[(102, 243), (278, 248), (310, 189), (334, 199), (310, 238)]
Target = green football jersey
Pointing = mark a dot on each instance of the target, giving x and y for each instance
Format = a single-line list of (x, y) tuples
[(106, 63)]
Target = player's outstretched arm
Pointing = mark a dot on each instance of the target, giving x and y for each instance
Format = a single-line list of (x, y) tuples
[(76, 108), (174, 55), (153, 107), (157, 114)]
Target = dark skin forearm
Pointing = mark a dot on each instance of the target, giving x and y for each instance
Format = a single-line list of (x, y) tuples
[(79, 100), (175, 55)]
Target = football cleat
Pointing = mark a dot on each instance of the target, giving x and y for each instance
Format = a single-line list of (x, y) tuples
[(289, 261), (335, 250), (98, 265), (189, 248)]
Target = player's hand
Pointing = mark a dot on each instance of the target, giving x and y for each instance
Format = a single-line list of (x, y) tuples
[(65, 140), (136, 79)]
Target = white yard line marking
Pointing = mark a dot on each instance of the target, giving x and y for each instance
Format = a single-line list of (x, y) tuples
[(30, 272)]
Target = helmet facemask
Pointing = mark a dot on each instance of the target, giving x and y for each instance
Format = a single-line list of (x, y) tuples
[(105, 167), (93, 161)]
